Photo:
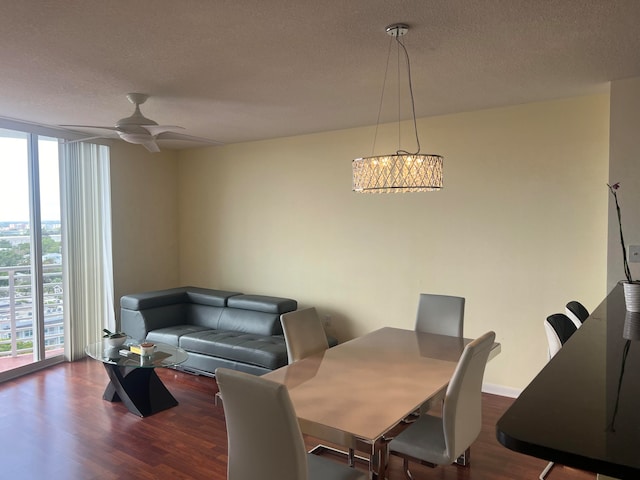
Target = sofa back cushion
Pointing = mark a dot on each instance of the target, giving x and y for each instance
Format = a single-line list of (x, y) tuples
[(206, 296), (162, 317), (203, 315), (257, 314)]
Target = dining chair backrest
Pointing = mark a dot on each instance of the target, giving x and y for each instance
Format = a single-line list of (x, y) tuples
[(559, 329), (576, 312), (305, 336), (303, 333), (462, 409), (264, 437), (440, 314)]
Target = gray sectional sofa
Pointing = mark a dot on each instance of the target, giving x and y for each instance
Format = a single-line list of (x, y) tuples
[(217, 328)]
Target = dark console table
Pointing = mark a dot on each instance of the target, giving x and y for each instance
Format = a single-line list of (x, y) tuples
[(583, 409)]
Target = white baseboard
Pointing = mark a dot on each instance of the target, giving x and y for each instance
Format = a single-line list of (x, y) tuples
[(501, 390)]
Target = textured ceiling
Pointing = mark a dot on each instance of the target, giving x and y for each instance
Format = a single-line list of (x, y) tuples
[(245, 70)]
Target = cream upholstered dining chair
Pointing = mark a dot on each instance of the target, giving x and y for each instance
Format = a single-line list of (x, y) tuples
[(264, 437), (440, 314), (447, 439), (304, 336), (303, 333)]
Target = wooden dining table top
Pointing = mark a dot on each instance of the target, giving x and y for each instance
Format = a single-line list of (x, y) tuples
[(367, 385)]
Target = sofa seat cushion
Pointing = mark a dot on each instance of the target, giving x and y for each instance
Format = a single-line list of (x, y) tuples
[(265, 351), (171, 335)]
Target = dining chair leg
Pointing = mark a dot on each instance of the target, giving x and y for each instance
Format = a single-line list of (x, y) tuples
[(464, 459), (405, 468), (546, 470)]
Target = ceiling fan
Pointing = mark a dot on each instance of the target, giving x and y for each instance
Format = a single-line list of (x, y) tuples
[(141, 130)]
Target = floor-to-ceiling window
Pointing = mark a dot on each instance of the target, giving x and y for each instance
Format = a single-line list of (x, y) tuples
[(31, 287), (56, 273)]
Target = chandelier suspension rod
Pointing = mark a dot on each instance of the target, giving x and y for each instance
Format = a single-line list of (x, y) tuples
[(413, 106), (384, 83)]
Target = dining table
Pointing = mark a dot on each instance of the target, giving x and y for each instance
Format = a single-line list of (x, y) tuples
[(365, 387), (583, 408)]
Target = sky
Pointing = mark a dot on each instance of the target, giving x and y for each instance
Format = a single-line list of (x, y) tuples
[(14, 186)]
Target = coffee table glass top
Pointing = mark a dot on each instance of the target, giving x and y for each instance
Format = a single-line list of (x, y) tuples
[(164, 355)]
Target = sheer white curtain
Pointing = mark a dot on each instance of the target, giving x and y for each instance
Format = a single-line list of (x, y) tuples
[(86, 229)]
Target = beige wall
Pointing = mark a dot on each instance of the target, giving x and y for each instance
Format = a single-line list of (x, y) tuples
[(144, 219), (624, 168), (519, 229)]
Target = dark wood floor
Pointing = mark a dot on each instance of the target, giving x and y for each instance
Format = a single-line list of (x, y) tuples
[(55, 425)]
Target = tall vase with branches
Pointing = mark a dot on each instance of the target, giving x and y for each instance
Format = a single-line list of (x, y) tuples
[(614, 191), (631, 287)]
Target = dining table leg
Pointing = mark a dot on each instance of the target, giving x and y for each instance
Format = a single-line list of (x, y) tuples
[(379, 459)]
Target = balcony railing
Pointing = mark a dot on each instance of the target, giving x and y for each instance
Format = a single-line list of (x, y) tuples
[(17, 310)]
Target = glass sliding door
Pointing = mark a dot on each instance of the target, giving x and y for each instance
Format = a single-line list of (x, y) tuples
[(51, 247), (31, 308)]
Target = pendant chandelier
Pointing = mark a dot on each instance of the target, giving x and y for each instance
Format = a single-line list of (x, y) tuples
[(403, 171)]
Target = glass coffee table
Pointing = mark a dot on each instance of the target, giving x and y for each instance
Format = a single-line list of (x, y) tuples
[(133, 379)]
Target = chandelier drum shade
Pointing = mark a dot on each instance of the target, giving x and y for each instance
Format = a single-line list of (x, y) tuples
[(403, 171), (399, 173)]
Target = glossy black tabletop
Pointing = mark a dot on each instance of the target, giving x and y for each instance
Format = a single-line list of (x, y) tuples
[(583, 408)]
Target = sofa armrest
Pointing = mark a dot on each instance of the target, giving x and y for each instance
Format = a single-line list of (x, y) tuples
[(138, 323)]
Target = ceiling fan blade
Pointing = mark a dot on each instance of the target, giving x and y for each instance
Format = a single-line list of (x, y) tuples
[(186, 138), (85, 139), (89, 126), (152, 146), (158, 129)]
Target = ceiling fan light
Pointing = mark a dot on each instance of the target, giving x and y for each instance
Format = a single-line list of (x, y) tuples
[(137, 138)]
